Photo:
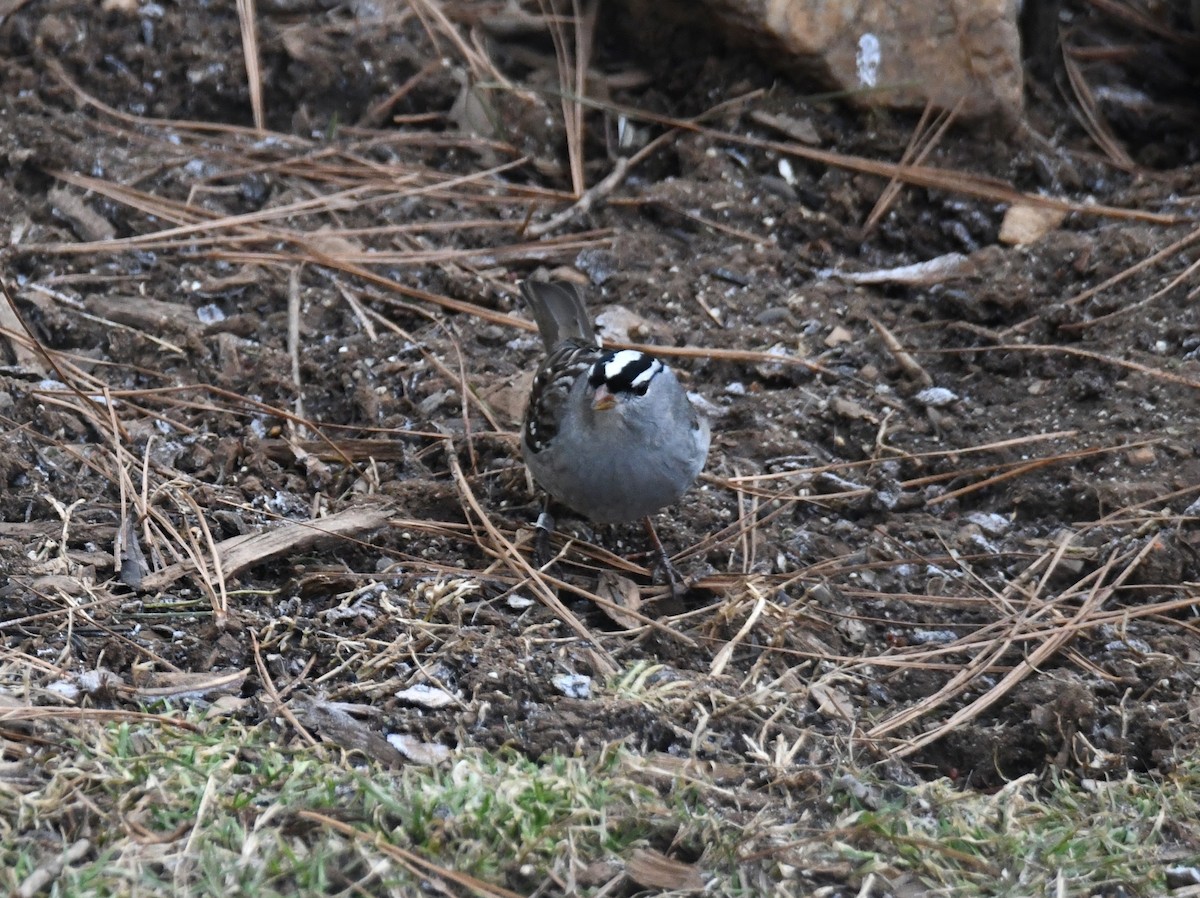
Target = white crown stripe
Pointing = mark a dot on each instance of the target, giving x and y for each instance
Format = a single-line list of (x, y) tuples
[(622, 360), (646, 376)]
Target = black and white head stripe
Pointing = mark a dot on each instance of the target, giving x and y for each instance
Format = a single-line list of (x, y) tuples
[(626, 371)]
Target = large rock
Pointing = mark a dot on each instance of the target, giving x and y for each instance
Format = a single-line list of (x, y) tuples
[(901, 53)]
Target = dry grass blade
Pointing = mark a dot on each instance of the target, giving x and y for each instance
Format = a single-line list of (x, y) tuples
[(1156, 373), (721, 659), (951, 181), (1014, 470), (14, 714), (917, 151), (277, 701), (571, 55), (903, 358), (1187, 274), (248, 19), (60, 74), (1083, 619), (293, 345), (424, 870), (500, 546), (1090, 118), (1144, 18)]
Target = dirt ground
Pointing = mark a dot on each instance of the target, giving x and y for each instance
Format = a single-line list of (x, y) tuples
[(949, 526)]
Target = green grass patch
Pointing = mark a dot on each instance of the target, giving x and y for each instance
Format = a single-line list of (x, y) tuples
[(155, 809), (1032, 837)]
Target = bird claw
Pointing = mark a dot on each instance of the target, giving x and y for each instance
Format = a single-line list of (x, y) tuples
[(669, 573)]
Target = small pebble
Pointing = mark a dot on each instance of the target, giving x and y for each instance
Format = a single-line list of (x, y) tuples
[(838, 336), (936, 397), (573, 685), (990, 523)]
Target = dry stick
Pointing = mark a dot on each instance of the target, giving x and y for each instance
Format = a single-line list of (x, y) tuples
[(585, 203), (518, 565), (1138, 18), (609, 605), (601, 190), (1063, 634), (1010, 465), (948, 180), (354, 197), (43, 712), (914, 456), (571, 88), (903, 358), (376, 113), (1081, 353), (356, 307), (198, 219), (41, 879), (1019, 471), (485, 256)]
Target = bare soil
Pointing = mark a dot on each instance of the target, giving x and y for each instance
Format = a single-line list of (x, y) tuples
[(1018, 549)]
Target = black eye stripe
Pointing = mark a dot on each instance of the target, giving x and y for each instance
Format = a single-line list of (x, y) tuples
[(625, 371)]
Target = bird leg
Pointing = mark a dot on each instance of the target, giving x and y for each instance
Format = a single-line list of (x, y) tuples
[(662, 561), (542, 555)]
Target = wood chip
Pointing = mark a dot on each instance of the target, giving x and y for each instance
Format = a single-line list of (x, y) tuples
[(87, 223), (1141, 457), (1026, 224), (832, 701), (654, 870), (241, 552)]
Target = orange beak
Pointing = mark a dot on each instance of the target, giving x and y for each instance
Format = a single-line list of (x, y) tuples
[(603, 400)]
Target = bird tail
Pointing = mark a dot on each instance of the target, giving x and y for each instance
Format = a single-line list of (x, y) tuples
[(559, 311)]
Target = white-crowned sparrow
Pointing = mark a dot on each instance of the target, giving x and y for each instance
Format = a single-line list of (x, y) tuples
[(610, 434)]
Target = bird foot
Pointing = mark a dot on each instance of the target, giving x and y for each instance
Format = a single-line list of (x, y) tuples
[(662, 563), (542, 555)]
